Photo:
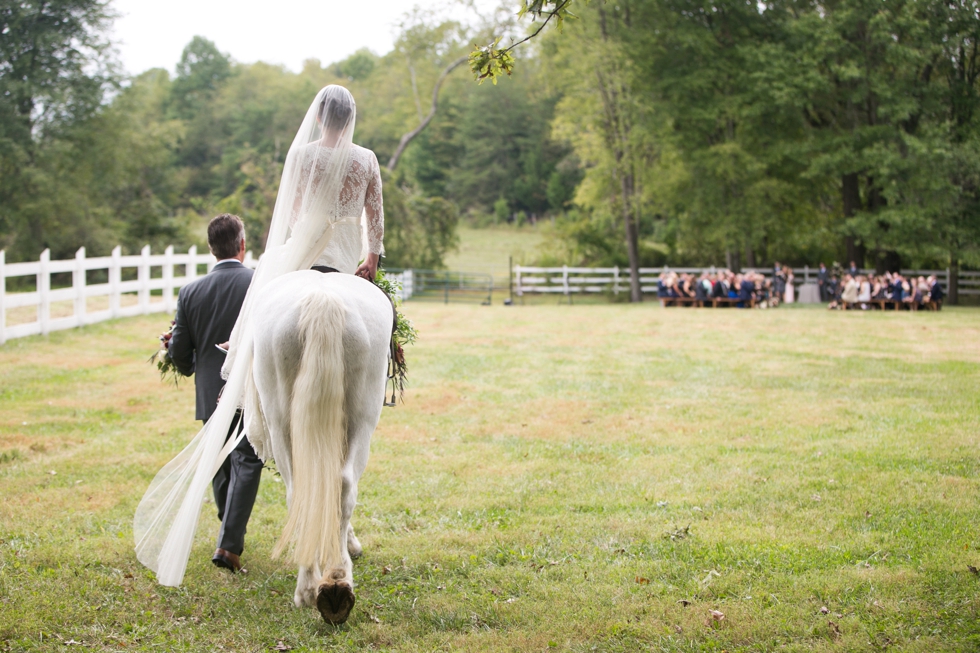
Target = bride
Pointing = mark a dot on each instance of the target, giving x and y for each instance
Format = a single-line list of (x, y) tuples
[(328, 216)]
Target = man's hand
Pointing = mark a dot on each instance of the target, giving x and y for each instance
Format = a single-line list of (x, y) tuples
[(369, 268)]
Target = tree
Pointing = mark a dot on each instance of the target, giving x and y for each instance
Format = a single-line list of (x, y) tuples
[(54, 68)]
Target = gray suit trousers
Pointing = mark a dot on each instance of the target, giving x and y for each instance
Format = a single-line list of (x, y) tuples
[(235, 486)]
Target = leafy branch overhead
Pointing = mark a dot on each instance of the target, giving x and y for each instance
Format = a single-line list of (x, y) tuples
[(490, 61)]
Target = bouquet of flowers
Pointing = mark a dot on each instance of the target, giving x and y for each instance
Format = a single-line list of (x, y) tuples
[(161, 357), (404, 334)]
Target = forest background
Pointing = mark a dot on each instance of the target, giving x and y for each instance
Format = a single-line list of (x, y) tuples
[(644, 132)]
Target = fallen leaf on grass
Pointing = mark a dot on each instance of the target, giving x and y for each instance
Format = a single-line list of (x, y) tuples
[(684, 602), (973, 570), (834, 630), (642, 581), (281, 646), (386, 570), (824, 610), (374, 619), (678, 533), (717, 615)]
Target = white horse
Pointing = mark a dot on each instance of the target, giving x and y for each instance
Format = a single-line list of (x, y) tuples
[(320, 367)]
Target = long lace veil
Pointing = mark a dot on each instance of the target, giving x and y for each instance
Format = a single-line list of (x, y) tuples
[(302, 226)]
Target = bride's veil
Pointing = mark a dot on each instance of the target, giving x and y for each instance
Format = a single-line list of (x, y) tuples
[(302, 226)]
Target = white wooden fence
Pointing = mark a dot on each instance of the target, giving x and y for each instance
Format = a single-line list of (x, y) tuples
[(573, 280), (136, 296)]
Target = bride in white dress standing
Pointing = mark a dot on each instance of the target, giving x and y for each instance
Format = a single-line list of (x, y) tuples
[(328, 216)]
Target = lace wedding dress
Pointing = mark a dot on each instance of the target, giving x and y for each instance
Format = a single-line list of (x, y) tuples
[(328, 212)]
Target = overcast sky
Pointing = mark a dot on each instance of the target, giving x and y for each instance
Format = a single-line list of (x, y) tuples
[(152, 33)]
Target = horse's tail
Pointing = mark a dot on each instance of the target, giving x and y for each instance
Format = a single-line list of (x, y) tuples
[(319, 435)]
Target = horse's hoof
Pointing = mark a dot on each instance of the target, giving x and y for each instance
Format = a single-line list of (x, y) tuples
[(335, 601)]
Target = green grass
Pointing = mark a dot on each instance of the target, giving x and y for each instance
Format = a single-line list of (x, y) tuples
[(574, 478)]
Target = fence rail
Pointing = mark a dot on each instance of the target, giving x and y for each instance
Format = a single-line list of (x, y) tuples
[(147, 283), (444, 285), (568, 281), (151, 291)]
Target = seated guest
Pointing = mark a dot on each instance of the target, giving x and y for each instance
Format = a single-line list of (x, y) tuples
[(736, 284), (684, 288), (898, 289), (864, 291), (922, 290), (833, 289), (878, 287), (672, 285), (746, 289), (662, 291), (936, 292), (721, 286), (908, 291), (702, 288), (850, 292)]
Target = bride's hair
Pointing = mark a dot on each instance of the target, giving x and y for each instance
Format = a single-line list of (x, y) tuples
[(336, 108)]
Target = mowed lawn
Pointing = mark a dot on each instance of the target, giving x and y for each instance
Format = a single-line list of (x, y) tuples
[(572, 478)]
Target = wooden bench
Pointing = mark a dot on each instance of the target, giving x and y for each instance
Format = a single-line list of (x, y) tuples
[(680, 301), (730, 301), (714, 302), (893, 303)]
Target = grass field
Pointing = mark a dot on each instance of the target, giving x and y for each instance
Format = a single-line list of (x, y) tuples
[(489, 249), (573, 478)]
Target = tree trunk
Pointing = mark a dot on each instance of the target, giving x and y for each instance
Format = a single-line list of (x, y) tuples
[(749, 256), (851, 196), (410, 136), (953, 292), (632, 238)]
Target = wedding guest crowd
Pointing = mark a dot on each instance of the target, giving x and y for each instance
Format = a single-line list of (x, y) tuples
[(741, 290), (860, 291)]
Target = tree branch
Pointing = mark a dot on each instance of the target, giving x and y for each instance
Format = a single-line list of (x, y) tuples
[(407, 138)]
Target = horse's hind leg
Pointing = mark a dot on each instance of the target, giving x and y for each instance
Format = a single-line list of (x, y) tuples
[(335, 595)]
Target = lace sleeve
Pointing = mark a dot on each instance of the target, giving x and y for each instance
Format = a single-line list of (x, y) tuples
[(374, 210)]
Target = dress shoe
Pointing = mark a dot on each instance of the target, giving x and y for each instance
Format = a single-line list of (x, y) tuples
[(227, 559)]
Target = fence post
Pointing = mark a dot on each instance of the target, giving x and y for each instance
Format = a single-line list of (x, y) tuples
[(564, 282), (408, 282), (947, 280), (3, 296), (78, 283), (806, 274), (44, 291), (616, 280), (168, 279), (517, 275), (190, 270), (115, 278), (143, 274)]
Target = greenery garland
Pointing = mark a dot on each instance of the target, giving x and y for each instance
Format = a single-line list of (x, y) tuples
[(404, 334)]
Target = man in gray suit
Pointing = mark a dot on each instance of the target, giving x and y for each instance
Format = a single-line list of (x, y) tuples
[(206, 313)]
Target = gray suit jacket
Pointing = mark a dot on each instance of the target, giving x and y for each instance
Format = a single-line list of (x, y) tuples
[(206, 312)]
